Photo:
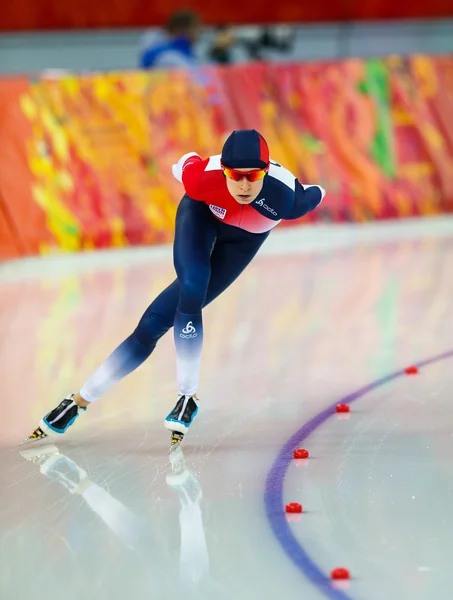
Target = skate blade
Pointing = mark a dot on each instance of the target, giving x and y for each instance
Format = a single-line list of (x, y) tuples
[(38, 434), (176, 438)]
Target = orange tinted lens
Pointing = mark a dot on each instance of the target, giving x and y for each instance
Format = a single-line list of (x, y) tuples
[(232, 174), (238, 175), (256, 175)]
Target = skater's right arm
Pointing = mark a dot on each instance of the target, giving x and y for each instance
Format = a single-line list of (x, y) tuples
[(190, 170)]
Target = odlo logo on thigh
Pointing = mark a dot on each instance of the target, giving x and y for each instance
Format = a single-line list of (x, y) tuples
[(189, 331)]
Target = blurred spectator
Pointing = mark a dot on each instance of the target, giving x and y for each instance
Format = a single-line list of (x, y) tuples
[(261, 43), (176, 47), (220, 51), (278, 37)]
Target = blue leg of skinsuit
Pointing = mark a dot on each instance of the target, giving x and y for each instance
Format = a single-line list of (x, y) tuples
[(203, 274)]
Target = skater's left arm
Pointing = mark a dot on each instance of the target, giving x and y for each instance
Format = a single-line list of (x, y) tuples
[(298, 199), (306, 199)]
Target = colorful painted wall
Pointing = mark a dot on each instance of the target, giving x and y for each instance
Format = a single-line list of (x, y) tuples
[(85, 161)]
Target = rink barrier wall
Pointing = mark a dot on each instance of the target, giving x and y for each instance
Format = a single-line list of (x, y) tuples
[(85, 160)]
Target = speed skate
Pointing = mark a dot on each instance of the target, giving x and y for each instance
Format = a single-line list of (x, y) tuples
[(57, 421), (180, 418)]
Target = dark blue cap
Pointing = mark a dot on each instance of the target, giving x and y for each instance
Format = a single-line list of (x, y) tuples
[(245, 148)]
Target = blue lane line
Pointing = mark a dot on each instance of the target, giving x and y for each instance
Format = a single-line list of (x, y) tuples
[(273, 493)]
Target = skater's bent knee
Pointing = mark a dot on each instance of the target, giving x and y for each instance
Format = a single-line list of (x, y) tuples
[(192, 294), (151, 328)]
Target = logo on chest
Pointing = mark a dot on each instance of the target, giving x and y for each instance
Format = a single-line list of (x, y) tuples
[(261, 202), (219, 212)]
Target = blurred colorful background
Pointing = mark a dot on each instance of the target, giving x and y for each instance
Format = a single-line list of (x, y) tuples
[(356, 97)]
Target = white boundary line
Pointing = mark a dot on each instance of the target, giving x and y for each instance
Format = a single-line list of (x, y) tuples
[(293, 240)]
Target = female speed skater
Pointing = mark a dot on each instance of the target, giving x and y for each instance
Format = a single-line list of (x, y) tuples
[(231, 203)]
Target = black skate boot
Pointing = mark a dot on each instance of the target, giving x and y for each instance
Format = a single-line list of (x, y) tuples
[(181, 417), (57, 421)]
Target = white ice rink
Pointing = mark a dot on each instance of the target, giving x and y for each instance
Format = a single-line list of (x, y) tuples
[(323, 315)]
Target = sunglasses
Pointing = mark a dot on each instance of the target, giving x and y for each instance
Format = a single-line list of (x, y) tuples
[(249, 175)]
